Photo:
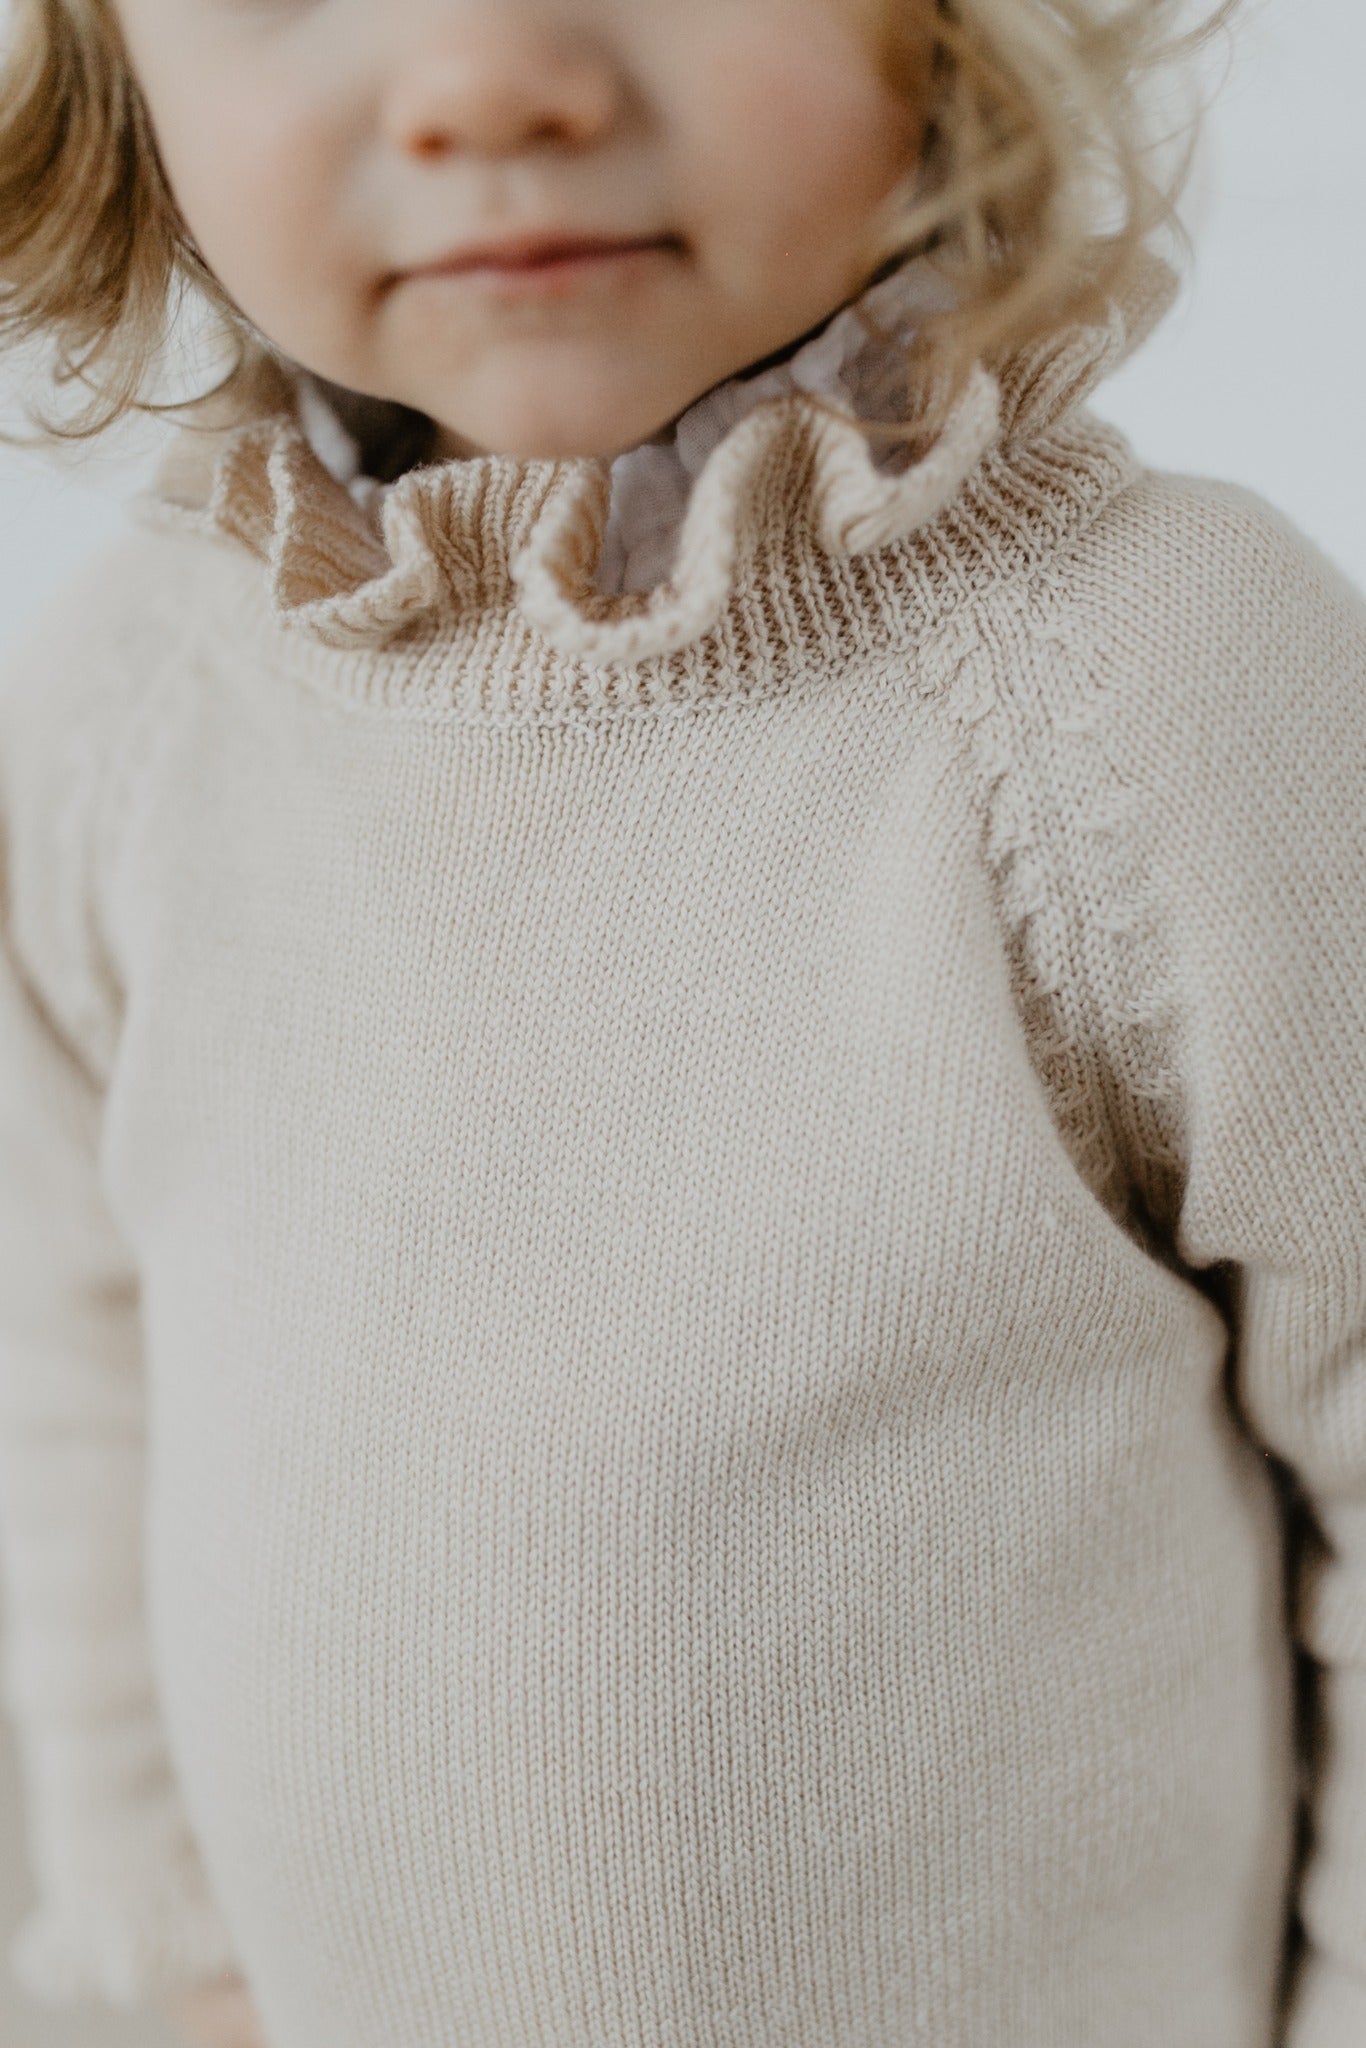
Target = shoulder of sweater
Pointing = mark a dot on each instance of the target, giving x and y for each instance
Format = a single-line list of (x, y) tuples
[(115, 621), (1190, 631), (1227, 678), (120, 614), (94, 649), (1200, 657), (1197, 593)]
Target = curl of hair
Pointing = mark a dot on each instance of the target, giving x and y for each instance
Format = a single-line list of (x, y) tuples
[(1044, 173), (1036, 188), (93, 250)]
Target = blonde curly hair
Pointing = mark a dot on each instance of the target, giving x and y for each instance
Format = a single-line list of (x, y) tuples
[(1037, 190)]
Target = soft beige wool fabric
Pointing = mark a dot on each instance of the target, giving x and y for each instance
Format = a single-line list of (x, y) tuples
[(668, 1262)]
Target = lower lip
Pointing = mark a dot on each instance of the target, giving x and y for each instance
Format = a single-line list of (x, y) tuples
[(549, 279)]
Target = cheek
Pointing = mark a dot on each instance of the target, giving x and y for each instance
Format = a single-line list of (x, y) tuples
[(254, 182), (798, 127)]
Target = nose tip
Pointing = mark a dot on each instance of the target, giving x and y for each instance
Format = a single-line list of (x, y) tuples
[(498, 93)]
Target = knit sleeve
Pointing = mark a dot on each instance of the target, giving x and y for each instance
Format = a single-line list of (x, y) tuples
[(1201, 791), (123, 1911)]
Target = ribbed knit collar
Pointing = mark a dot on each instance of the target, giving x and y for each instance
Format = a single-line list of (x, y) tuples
[(484, 558)]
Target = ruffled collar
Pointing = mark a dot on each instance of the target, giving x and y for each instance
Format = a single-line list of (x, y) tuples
[(855, 360), (380, 566)]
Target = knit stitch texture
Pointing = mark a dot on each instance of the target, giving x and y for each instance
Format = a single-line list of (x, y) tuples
[(683, 1273)]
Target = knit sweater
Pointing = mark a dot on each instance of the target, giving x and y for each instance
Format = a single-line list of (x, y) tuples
[(683, 1274)]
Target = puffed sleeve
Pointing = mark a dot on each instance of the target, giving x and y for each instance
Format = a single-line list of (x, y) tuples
[(1206, 803), (123, 1911)]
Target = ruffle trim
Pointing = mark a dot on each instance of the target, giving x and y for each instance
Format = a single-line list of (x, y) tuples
[(855, 509), (63, 1953), (451, 537)]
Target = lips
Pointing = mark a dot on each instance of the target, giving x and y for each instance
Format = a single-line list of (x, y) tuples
[(529, 252)]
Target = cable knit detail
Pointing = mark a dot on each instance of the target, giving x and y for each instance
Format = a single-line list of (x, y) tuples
[(1106, 910), (1073, 878), (991, 722), (462, 538)]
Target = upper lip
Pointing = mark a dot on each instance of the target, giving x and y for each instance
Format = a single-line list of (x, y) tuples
[(537, 247)]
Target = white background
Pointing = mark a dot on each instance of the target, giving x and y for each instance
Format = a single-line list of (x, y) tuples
[(1256, 377)]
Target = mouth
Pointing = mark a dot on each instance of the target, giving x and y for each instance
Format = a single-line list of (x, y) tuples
[(543, 256)]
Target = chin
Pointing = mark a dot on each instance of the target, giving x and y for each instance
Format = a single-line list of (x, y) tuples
[(561, 443), (563, 435)]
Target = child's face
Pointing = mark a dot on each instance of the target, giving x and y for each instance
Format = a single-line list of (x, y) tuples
[(322, 150)]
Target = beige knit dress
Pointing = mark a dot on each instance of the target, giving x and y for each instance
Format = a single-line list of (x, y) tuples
[(683, 1274)]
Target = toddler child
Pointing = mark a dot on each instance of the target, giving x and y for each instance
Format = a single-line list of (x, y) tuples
[(682, 1058)]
